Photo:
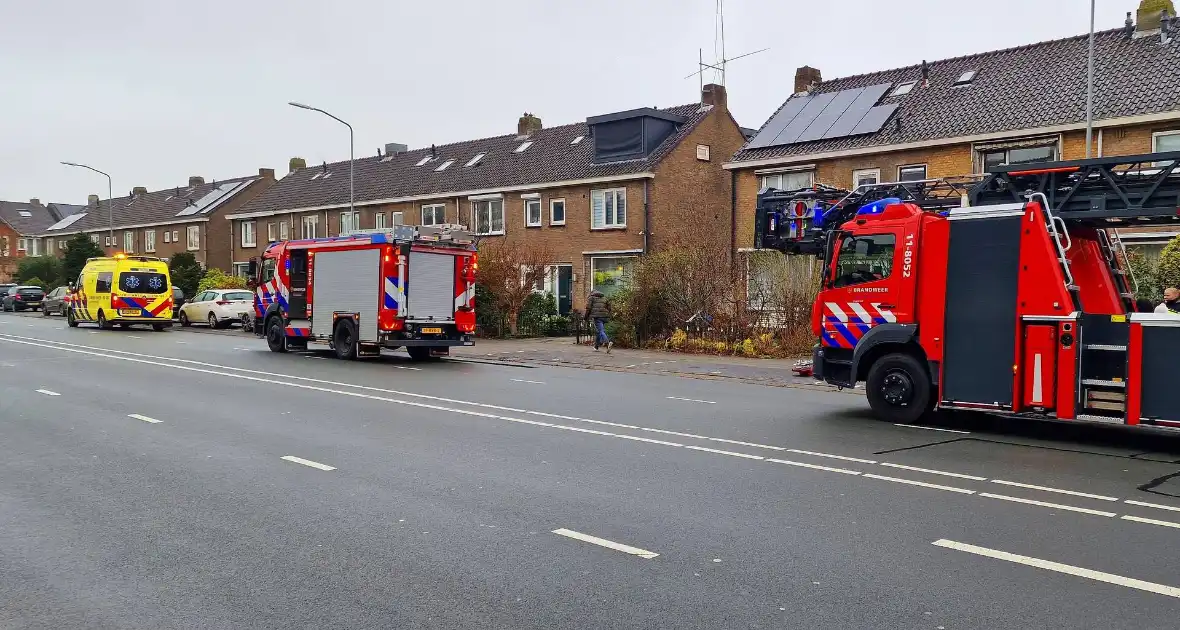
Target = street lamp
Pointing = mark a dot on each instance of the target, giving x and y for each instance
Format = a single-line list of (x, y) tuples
[(351, 146), (1090, 84), (110, 198)]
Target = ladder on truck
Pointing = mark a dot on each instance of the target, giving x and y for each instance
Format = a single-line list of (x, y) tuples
[(444, 233)]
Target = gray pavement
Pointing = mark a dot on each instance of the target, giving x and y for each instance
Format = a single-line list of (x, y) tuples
[(768, 507)]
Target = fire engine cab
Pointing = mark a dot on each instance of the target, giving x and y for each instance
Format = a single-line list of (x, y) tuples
[(1010, 294), (408, 286)]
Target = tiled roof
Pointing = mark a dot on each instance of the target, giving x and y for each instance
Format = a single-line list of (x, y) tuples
[(39, 217), (1038, 85), (161, 206), (550, 158)]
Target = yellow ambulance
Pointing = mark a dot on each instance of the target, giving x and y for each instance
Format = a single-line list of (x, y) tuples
[(122, 290)]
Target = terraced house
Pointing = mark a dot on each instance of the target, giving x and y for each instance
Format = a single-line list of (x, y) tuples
[(595, 194), (161, 223), (965, 115), (20, 225)]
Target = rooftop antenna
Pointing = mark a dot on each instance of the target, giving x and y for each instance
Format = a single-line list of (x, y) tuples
[(717, 66)]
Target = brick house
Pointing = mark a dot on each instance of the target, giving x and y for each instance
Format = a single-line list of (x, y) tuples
[(595, 194), (164, 222), (20, 222), (961, 116)]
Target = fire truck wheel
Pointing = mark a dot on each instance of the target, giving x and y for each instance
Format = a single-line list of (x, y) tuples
[(898, 388), (344, 340), (276, 335)]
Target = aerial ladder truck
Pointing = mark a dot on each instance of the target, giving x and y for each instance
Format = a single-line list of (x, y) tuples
[(1009, 293)]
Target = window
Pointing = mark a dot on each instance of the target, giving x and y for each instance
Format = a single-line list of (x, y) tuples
[(912, 173), (268, 270), (48, 246), (175, 236), (167, 236), (991, 158), (311, 224), (379, 221), (966, 78), (703, 152), (128, 242), (434, 214), (95, 238), (395, 218), (106, 241), (194, 237), (903, 88), (608, 208), (532, 213), (557, 212), (523, 146), (102, 284), (1165, 141), (577, 140), (864, 259), (610, 274), (240, 270), (149, 241), (349, 222), (423, 161), (238, 296), (270, 232), (22, 245), (444, 165), (34, 247), (866, 176), (284, 234), (475, 160), (789, 181), (61, 244), (143, 282), (248, 237), (488, 216)]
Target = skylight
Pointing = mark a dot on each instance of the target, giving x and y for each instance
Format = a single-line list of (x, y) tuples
[(68, 221), (423, 161), (966, 78), (903, 88), (387, 158), (523, 146), (475, 160), (444, 165), (26, 213), (577, 140), (318, 175)]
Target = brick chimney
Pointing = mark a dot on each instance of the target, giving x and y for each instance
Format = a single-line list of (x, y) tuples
[(92, 201), (528, 125), (296, 164), (266, 173), (34, 202), (140, 190), (195, 180), (714, 95), (806, 78), (1147, 17)]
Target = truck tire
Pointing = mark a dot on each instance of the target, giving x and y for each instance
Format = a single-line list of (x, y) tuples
[(344, 340), (102, 321), (898, 388), (276, 334)]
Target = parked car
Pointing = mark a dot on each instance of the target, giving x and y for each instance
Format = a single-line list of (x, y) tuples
[(4, 289), (177, 301), (217, 307), (20, 298), (56, 302)]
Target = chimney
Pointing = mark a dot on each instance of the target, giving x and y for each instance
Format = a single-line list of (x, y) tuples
[(393, 148), (92, 201), (528, 125), (266, 173), (196, 180), (296, 164), (139, 190), (714, 95), (1148, 18), (806, 78), (34, 202)]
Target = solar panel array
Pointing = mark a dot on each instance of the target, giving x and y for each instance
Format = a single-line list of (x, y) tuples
[(213, 198), (825, 116), (67, 222)]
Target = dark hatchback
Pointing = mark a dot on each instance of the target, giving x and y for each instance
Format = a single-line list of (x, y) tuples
[(20, 298)]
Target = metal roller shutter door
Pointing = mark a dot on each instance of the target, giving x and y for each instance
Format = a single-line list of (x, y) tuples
[(430, 291)]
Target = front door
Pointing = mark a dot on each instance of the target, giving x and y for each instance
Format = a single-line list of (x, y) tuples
[(565, 284)]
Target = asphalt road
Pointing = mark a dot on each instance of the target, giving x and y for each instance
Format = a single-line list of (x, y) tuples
[(181, 480)]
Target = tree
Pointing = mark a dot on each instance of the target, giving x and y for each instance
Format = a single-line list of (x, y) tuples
[(45, 268), (1168, 270), (217, 279), (186, 272), (36, 282), (510, 272), (79, 249)]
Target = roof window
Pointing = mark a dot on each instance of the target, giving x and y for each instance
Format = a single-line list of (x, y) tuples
[(966, 78), (577, 140), (475, 160), (26, 213), (903, 88), (423, 160), (444, 165), (523, 146)]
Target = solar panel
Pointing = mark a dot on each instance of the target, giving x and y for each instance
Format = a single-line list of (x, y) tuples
[(779, 122), (828, 117), (209, 198), (875, 119), (864, 101), (813, 109), (67, 222)]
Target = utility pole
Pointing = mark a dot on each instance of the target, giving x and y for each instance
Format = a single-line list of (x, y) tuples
[(1090, 87)]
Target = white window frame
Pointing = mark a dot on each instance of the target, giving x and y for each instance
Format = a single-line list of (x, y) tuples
[(594, 258), (149, 241), (1155, 137), (312, 221), (175, 236), (249, 233), (167, 236), (22, 244), (94, 238), (903, 88), (270, 232), (564, 211), (528, 222), (353, 219), (128, 242), (765, 178), (61, 244), (34, 247), (476, 206), (240, 269), (432, 208), (875, 173), (284, 230), (617, 194), (396, 219), (379, 221), (48, 246), (925, 171), (193, 235), (106, 240)]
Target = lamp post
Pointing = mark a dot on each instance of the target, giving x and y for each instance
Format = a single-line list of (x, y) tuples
[(351, 149), (1090, 85), (110, 199)]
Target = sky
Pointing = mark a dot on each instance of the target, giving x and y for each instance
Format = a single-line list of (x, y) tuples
[(155, 91)]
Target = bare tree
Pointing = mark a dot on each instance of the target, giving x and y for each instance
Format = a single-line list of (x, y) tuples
[(510, 272)]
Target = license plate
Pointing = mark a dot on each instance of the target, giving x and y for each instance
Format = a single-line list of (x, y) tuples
[(431, 331), (129, 312)]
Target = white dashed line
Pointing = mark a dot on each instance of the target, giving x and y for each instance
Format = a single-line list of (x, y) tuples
[(47, 392), (629, 366), (1152, 505), (307, 462), (182, 342), (1074, 493), (133, 337), (847, 459), (923, 484), (721, 452), (144, 418), (788, 462), (521, 380), (1057, 506), (934, 472), (914, 426), (707, 402), (1150, 521), (1109, 578), (609, 544)]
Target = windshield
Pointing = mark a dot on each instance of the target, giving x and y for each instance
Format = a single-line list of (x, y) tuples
[(143, 282), (238, 295), (29, 291), (268, 270), (863, 259)]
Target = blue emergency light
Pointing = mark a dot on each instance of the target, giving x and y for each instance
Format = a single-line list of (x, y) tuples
[(877, 207)]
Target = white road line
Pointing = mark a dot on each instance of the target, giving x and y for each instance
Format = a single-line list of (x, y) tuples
[(1074, 493), (847, 459), (93, 332), (934, 472), (307, 462), (920, 483), (788, 462), (712, 439), (133, 337), (707, 402), (609, 544), (1057, 506), (182, 342), (521, 380), (721, 452), (47, 392), (914, 426), (1109, 578), (144, 418), (1152, 505), (629, 366), (1150, 521)]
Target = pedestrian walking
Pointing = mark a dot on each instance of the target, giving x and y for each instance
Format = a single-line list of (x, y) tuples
[(598, 311)]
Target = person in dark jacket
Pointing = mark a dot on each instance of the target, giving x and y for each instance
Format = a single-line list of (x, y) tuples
[(598, 311)]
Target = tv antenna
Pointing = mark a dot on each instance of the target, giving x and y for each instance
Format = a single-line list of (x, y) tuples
[(718, 51)]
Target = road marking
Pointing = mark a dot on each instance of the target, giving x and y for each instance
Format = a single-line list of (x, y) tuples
[(721, 452), (920, 483), (144, 418), (1150, 521), (815, 466), (1153, 505), (629, 366), (914, 426), (307, 462), (1058, 506), (707, 402), (609, 544), (1109, 578), (133, 337), (521, 380), (934, 472), (93, 332), (847, 459), (182, 342), (47, 392), (1074, 493)]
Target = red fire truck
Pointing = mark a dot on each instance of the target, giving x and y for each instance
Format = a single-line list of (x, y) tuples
[(1009, 295), (409, 286)]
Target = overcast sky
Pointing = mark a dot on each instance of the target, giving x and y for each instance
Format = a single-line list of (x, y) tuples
[(153, 91)]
